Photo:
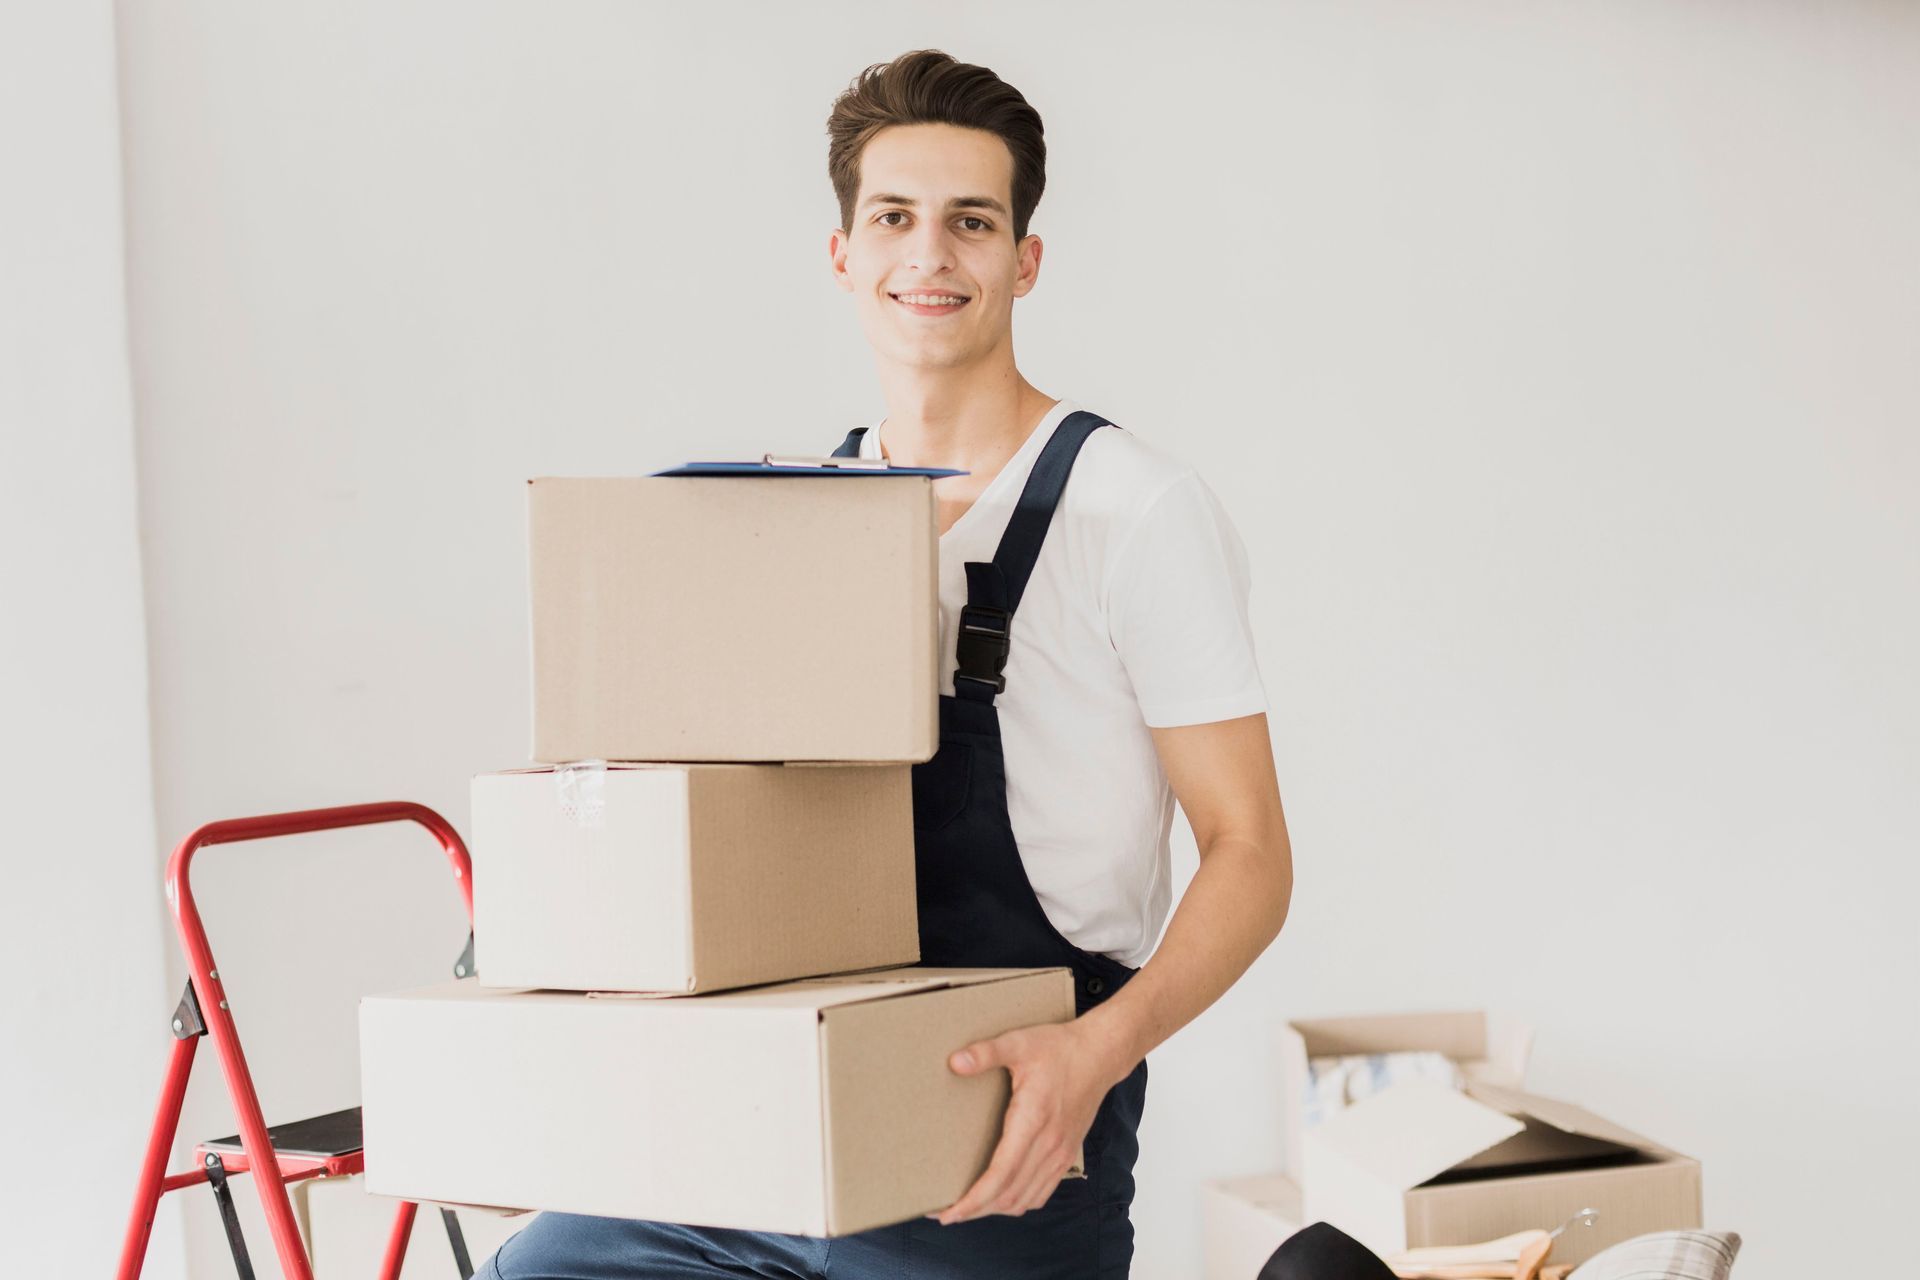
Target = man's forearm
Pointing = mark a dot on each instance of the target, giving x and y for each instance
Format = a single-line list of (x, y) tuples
[(1233, 908)]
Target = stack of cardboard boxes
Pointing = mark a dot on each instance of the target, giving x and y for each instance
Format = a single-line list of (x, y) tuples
[(1419, 1163), (695, 927)]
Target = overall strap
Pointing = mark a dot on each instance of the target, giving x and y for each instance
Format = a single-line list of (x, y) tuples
[(850, 447), (994, 587)]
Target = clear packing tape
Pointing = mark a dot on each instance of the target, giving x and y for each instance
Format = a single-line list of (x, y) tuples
[(580, 789)]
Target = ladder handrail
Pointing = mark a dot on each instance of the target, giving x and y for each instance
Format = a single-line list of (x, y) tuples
[(204, 976)]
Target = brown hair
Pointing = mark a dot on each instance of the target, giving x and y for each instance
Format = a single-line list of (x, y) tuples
[(927, 86)]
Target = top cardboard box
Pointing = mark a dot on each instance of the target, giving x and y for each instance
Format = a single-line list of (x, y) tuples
[(734, 618)]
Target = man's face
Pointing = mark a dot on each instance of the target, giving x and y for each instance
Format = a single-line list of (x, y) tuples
[(933, 220)]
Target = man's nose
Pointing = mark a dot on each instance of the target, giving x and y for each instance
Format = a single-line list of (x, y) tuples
[(930, 249)]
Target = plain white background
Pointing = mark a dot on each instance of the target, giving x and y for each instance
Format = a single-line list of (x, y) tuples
[(1556, 362), (83, 979)]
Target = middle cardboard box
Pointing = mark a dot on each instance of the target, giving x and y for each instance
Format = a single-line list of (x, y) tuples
[(691, 878)]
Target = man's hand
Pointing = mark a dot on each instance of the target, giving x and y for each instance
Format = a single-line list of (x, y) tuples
[(1060, 1073)]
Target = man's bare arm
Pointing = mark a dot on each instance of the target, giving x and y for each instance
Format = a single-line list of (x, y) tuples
[(1223, 775)]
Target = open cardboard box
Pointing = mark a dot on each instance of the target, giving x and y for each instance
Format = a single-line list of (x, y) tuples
[(820, 1107), (1422, 1164), (1489, 1048)]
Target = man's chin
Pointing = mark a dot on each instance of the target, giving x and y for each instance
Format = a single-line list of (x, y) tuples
[(938, 361), (931, 355)]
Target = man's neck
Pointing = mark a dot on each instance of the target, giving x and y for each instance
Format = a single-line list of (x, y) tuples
[(960, 418)]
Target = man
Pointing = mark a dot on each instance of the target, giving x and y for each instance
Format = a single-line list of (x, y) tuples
[(1127, 681)]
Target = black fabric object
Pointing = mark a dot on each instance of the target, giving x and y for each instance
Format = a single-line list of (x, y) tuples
[(1324, 1252)]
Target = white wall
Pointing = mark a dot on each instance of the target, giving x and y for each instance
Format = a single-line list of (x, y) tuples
[(84, 999), (1555, 361)]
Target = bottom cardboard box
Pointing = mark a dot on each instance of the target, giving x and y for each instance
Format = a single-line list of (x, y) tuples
[(1243, 1220), (820, 1107)]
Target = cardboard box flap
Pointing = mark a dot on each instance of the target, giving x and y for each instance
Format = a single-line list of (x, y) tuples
[(816, 994), (1412, 1132), (1561, 1115), (677, 766), (885, 984), (772, 465), (599, 764), (1459, 1035)]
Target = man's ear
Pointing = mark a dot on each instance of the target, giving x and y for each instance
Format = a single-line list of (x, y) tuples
[(837, 254), (1028, 251)]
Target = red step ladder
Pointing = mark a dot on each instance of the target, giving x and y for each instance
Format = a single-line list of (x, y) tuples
[(324, 1146)]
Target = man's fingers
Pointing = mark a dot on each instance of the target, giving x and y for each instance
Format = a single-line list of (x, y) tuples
[(1044, 1175), (1027, 1184), (1020, 1186), (1016, 1137), (970, 1205), (1026, 1194), (1036, 1193)]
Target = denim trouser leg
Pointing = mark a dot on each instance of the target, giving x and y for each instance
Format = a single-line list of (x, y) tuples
[(1072, 1237), (567, 1246)]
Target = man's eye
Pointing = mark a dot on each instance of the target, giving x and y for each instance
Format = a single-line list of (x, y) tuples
[(891, 213), (984, 226)]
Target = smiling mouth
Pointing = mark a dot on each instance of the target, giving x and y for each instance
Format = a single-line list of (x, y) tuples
[(930, 304)]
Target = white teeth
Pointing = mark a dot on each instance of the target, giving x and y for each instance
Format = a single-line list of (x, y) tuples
[(929, 299)]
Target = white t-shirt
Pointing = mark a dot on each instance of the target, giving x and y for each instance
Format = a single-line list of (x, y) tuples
[(1136, 615)]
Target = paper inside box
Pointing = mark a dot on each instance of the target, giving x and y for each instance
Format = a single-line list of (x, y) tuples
[(1488, 1048)]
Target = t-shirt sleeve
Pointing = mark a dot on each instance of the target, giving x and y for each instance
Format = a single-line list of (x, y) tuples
[(1177, 588)]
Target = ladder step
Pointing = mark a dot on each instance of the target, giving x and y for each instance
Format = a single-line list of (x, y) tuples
[(318, 1138)]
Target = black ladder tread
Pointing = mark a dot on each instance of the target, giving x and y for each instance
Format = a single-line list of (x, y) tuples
[(317, 1138)]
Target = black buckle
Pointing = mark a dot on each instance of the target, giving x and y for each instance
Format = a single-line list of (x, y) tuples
[(983, 646)]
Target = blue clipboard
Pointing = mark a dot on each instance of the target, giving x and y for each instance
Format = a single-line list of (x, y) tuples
[(773, 465)]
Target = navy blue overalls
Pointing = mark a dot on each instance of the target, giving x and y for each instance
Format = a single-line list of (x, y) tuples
[(977, 909)]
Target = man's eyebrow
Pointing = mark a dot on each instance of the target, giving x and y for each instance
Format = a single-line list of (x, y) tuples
[(958, 202)]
